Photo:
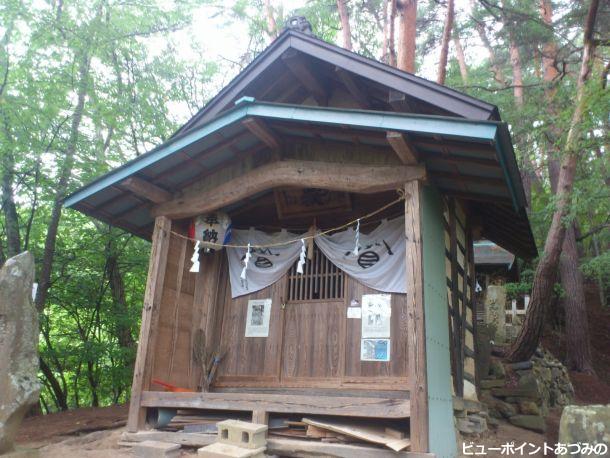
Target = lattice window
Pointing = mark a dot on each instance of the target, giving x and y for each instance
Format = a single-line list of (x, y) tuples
[(321, 280)]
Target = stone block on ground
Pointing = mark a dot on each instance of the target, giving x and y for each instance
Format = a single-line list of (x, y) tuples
[(589, 424), (19, 386), (222, 450), (22, 452), (156, 449), (532, 422), (242, 434)]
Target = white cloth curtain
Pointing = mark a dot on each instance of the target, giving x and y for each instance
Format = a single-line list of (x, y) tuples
[(266, 265), (380, 263)]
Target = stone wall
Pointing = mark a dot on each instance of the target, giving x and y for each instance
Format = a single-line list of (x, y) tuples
[(523, 392)]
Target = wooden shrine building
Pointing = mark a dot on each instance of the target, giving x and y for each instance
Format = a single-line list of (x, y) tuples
[(312, 134)]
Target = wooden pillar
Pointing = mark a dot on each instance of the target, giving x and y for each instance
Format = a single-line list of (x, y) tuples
[(416, 335), (150, 315)]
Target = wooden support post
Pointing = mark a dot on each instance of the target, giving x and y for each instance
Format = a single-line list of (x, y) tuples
[(260, 417), (150, 315), (416, 333)]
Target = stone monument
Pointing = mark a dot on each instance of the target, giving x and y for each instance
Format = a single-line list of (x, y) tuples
[(19, 386)]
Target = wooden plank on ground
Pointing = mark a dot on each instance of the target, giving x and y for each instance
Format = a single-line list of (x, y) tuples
[(374, 434), (278, 446)]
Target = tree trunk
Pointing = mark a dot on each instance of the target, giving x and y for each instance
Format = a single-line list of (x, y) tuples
[(459, 52), (11, 219), (392, 34), (271, 24), (577, 325), (578, 340), (345, 27), (493, 62), (65, 174), (60, 396), (386, 32), (117, 288), (407, 34), (515, 62), (442, 63), (524, 346)]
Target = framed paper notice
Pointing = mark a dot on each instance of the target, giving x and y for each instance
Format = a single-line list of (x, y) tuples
[(257, 321), (375, 350), (376, 314)]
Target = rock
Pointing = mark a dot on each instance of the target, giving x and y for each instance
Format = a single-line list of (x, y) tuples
[(473, 424), (529, 408), (521, 365), (590, 424), (533, 422), (529, 392), (500, 409), (528, 381), (496, 369), (480, 423), (492, 383), (19, 386)]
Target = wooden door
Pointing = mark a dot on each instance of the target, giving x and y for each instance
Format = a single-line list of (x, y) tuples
[(314, 324)]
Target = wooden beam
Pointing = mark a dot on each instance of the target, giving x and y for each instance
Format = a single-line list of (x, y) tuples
[(352, 87), (150, 315), (294, 62), (365, 179), (146, 189), (260, 129), (402, 146), (358, 406), (416, 331)]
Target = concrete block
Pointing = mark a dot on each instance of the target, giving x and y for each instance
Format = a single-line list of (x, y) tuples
[(221, 450), (242, 434), (156, 449)]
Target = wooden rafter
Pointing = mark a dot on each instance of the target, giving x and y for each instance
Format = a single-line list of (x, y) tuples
[(358, 178), (403, 147), (352, 87), (146, 189), (261, 130), (295, 64)]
